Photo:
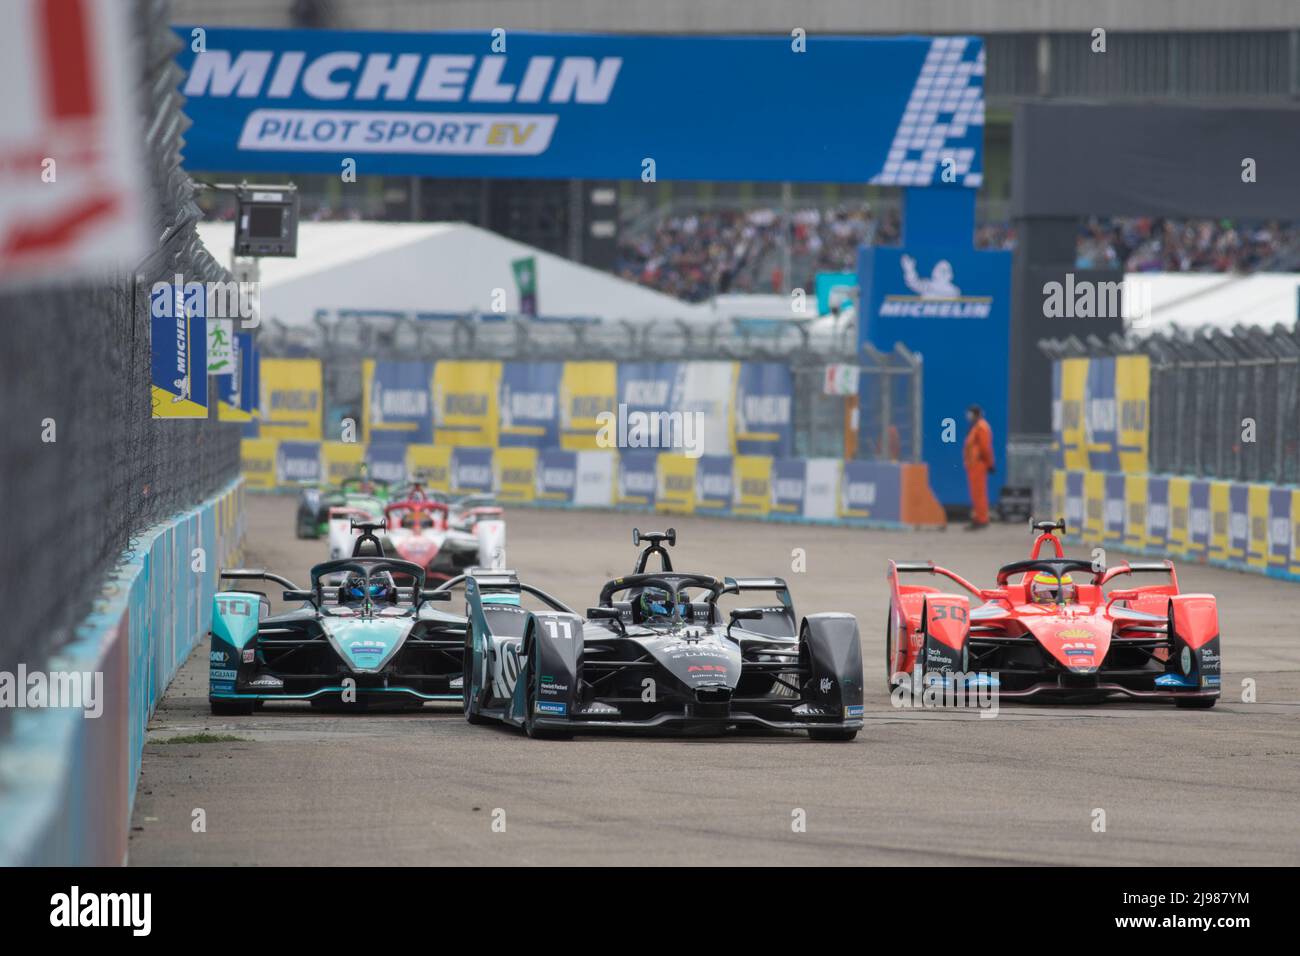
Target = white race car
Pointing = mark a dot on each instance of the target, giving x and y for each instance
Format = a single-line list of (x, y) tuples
[(443, 539)]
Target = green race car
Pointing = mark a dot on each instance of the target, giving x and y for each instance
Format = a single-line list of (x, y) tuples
[(314, 502)]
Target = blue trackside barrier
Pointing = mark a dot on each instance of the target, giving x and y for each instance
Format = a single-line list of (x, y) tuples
[(67, 782)]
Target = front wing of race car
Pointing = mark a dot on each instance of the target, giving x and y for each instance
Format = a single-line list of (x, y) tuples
[(559, 687), (255, 658)]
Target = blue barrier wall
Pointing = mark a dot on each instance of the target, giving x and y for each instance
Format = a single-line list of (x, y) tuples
[(67, 782)]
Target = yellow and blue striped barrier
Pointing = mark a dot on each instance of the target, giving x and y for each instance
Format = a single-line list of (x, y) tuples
[(1246, 526), (823, 490)]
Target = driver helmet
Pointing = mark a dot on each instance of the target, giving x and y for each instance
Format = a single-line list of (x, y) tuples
[(656, 604), (379, 589), (1046, 585)]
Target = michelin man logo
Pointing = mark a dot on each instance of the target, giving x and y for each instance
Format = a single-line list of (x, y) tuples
[(944, 118), (938, 286), (935, 297)]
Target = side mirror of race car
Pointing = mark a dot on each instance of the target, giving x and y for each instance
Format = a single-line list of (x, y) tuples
[(299, 595), (603, 614), (427, 595), (1121, 595), (747, 614)]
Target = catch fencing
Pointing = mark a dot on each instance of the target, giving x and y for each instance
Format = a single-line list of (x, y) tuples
[(1222, 404), (85, 469), (881, 422)]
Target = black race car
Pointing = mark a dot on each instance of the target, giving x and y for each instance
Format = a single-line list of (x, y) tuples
[(657, 653)]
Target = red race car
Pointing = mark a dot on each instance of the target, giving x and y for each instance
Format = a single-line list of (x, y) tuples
[(1055, 628)]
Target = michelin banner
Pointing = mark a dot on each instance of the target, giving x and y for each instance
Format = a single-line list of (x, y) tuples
[(637, 478), (291, 401), (788, 476), (1100, 418), (1100, 413), (297, 462), (1069, 395), (430, 465), (386, 461), (341, 460), (557, 476), (257, 463), (951, 304), (530, 404), (516, 474), (1238, 525), (822, 490), (465, 400), (396, 404), (587, 391), (870, 490), (238, 393), (178, 350), (566, 106), (714, 484), (764, 410), (471, 471)]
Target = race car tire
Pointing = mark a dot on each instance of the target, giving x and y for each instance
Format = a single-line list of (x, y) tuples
[(1196, 703), (530, 725), (832, 734), (231, 708), (890, 651), (472, 716)]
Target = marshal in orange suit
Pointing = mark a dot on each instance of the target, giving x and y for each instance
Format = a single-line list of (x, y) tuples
[(977, 456)]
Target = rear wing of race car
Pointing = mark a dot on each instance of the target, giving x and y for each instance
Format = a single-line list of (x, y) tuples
[(256, 574), (1143, 597), (779, 621), (926, 567), (492, 582), (1142, 567)]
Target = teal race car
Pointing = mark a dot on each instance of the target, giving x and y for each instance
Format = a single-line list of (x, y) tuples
[(366, 632)]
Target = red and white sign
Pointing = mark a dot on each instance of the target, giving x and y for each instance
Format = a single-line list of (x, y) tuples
[(72, 199), (840, 380)]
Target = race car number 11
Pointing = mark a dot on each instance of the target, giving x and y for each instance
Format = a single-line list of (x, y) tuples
[(560, 629)]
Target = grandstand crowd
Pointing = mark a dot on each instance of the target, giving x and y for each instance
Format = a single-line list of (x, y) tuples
[(697, 253)]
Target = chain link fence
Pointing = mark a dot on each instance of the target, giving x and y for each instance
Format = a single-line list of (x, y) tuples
[(1227, 405), (891, 395), (84, 466), (1223, 404)]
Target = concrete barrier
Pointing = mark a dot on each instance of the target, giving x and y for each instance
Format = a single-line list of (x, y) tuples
[(67, 782)]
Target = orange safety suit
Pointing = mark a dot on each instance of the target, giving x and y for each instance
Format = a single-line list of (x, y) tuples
[(977, 456)]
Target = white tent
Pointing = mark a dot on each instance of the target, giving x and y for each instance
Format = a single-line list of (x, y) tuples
[(1215, 300), (433, 267)]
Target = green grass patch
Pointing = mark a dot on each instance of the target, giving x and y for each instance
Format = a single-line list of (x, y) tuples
[(202, 739)]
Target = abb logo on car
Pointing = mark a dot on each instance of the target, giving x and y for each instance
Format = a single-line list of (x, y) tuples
[(71, 194)]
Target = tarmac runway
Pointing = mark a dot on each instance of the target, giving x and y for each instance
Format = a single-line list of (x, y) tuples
[(1029, 786)]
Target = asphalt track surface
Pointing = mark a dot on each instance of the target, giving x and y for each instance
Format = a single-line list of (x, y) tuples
[(916, 787)]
